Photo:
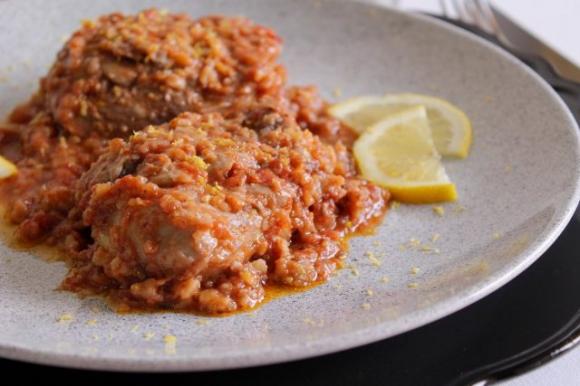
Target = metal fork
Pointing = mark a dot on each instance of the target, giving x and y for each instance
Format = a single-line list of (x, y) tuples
[(479, 13), (474, 12)]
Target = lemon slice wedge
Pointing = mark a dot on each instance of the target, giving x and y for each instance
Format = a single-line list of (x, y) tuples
[(399, 154), (7, 168), (450, 127)]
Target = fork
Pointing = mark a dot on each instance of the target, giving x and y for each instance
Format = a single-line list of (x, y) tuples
[(474, 12), (480, 14)]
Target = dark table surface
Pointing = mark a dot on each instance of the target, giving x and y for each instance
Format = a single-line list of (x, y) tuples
[(522, 325)]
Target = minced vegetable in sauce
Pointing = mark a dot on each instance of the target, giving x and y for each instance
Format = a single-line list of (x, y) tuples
[(169, 162)]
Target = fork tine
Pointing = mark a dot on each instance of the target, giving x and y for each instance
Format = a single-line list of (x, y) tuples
[(477, 15), (444, 9), (475, 12), (449, 9), (462, 14), (488, 18)]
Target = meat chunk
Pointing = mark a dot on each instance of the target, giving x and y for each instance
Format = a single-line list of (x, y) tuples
[(116, 76), (202, 212), (168, 160), (121, 73)]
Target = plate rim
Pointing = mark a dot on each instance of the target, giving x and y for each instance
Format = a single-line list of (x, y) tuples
[(359, 337)]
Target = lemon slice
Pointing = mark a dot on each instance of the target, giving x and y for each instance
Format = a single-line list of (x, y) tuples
[(399, 154), (7, 168), (360, 113), (450, 127)]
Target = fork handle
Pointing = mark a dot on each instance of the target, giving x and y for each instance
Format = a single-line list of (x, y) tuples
[(567, 89)]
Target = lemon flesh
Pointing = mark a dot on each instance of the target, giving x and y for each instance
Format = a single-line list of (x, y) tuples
[(7, 168), (399, 154), (451, 129)]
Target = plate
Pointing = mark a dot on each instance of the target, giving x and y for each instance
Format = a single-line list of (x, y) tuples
[(517, 190)]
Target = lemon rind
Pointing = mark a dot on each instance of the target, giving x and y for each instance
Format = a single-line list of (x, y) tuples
[(7, 168), (460, 144), (438, 190)]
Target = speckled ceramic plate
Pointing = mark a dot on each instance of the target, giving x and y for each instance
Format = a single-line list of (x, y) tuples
[(517, 190)]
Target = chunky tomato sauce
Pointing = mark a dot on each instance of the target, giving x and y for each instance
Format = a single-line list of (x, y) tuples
[(169, 161)]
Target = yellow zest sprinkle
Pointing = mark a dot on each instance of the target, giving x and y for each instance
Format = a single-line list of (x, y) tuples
[(198, 162), (92, 322), (170, 339), (170, 343), (395, 204), (135, 328), (413, 285), (439, 210), (224, 142), (415, 270), (88, 23), (370, 292), (385, 279), (202, 322), (214, 189), (435, 237), (66, 317), (313, 322), (149, 335), (353, 269), (497, 235), (373, 259), (366, 306)]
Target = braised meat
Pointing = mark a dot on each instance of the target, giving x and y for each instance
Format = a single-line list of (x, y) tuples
[(202, 212), (121, 73)]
